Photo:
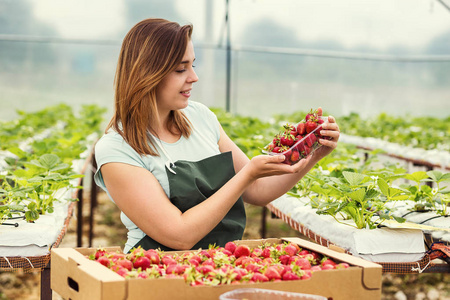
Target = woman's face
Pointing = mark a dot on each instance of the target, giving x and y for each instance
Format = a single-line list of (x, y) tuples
[(174, 90)]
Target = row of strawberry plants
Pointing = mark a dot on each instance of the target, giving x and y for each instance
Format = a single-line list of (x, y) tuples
[(346, 186), (34, 176)]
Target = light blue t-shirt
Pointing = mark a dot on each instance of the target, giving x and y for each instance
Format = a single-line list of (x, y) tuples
[(202, 143)]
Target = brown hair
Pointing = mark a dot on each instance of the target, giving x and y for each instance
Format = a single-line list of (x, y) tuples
[(150, 51)]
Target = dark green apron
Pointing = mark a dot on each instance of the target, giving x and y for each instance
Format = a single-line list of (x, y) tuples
[(192, 184)]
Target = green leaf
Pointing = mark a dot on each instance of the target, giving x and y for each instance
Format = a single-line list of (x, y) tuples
[(358, 195), (399, 219), (353, 178), (417, 176), (49, 160), (31, 215), (384, 187)]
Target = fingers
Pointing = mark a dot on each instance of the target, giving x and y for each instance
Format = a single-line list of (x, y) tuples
[(319, 111)]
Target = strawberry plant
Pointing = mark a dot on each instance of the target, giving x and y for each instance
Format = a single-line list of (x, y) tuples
[(37, 185), (38, 152)]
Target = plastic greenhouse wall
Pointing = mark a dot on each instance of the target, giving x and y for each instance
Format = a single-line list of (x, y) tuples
[(391, 57)]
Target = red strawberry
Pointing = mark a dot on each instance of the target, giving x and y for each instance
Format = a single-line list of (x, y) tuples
[(303, 252), (342, 266), (287, 140), (253, 267), (168, 260), (142, 275), (256, 252), (284, 259), (327, 267), (316, 268), (125, 263), (295, 156), (303, 263), (266, 252), (240, 273), (258, 277), (153, 256), (272, 273), (205, 269), (104, 261), (289, 275), (99, 252), (301, 129), (307, 274), (290, 249), (242, 250), (310, 126), (310, 140), (142, 262), (122, 272), (327, 261), (231, 246)]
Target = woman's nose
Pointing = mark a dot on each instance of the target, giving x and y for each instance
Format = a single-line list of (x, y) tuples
[(193, 76)]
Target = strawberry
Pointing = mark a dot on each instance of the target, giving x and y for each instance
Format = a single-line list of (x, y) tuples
[(153, 256), (310, 140), (310, 126), (306, 275), (125, 263), (327, 267), (342, 266), (327, 261), (256, 252), (240, 273), (231, 246), (304, 252), (122, 272), (252, 267), (289, 275), (284, 259), (266, 252), (242, 250), (290, 249), (168, 260), (258, 277), (303, 263), (272, 273), (205, 269), (287, 140), (99, 252), (301, 129), (104, 261), (316, 268), (142, 262), (294, 157)]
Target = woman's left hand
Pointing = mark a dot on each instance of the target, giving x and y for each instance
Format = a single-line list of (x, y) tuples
[(329, 129)]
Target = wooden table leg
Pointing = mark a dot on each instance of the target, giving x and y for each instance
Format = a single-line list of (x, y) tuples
[(46, 291)]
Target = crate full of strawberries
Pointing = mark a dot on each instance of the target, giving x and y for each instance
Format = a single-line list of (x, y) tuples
[(289, 265), (297, 141)]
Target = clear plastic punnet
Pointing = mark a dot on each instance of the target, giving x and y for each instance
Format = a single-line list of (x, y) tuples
[(265, 294), (302, 146)]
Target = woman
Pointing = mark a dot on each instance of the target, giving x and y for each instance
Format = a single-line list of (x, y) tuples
[(166, 162)]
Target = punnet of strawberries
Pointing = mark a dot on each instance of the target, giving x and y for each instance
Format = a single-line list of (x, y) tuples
[(297, 141), (232, 264)]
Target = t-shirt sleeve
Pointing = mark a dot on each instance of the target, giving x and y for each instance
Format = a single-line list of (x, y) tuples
[(112, 148)]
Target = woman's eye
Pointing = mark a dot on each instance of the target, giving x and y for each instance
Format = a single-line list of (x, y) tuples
[(180, 71)]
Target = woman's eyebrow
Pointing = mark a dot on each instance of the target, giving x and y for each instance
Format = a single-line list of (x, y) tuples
[(186, 61)]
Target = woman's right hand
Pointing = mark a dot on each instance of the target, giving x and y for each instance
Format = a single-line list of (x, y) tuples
[(270, 165)]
